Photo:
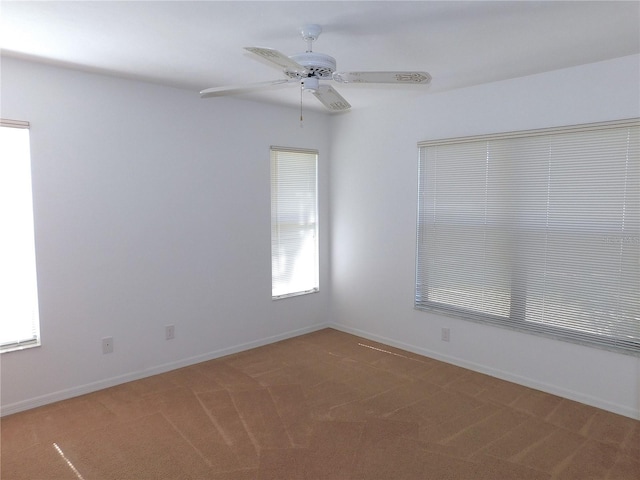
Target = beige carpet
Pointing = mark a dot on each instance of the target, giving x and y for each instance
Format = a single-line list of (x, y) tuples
[(327, 405)]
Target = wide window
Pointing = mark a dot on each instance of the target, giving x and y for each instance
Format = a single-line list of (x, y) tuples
[(294, 222), (19, 323), (537, 230)]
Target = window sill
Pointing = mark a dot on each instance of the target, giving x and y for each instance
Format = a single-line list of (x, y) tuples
[(16, 347), (295, 294)]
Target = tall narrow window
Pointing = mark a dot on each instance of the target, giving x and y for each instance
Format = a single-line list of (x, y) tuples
[(19, 326), (294, 222), (537, 231)]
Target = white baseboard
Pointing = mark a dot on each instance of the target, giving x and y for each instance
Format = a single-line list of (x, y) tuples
[(129, 377), (504, 375), (501, 374)]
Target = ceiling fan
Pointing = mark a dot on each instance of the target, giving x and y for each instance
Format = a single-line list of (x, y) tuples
[(309, 68)]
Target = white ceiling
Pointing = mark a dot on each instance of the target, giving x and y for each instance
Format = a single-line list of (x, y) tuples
[(196, 45)]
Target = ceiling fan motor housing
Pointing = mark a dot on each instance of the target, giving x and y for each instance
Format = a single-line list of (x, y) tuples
[(317, 65)]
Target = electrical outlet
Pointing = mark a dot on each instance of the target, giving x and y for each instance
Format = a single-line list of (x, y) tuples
[(169, 332), (446, 335), (107, 345)]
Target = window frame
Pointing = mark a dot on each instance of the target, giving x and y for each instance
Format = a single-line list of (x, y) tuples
[(35, 339), (516, 318), (306, 221)]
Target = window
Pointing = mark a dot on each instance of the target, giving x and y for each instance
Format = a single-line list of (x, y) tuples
[(294, 222), (538, 231), (18, 288)]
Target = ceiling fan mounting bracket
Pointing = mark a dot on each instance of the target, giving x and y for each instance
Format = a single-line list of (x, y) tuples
[(310, 32)]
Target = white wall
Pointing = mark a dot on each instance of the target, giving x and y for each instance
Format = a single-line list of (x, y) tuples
[(152, 207), (373, 214)]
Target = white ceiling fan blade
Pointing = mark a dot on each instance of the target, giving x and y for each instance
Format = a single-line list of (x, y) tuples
[(419, 78), (244, 88), (331, 99), (279, 59)]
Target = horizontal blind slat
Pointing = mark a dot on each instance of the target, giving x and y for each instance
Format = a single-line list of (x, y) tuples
[(294, 242), (538, 231), (18, 276)]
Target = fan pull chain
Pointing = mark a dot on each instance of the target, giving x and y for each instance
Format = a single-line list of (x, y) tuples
[(301, 93)]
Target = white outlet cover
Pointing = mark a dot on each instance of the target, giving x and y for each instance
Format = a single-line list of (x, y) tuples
[(107, 345)]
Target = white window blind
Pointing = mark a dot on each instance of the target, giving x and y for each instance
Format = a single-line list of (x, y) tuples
[(537, 230), (294, 222), (19, 320)]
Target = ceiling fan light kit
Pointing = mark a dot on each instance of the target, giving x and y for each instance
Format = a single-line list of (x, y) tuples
[(310, 84), (308, 68)]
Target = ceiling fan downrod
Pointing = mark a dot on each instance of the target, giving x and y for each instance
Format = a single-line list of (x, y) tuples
[(310, 33)]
